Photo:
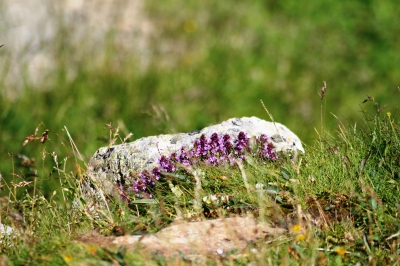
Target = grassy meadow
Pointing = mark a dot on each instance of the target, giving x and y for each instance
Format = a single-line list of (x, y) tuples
[(203, 63)]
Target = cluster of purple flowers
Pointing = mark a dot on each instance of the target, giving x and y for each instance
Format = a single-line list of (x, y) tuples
[(265, 149), (218, 150)]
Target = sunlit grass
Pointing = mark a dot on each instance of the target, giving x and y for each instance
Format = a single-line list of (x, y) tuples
[(338, 202), (205, 64)]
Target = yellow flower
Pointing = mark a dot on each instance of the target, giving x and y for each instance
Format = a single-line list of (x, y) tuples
[(92, 250), (67, 258), (300, 238), (295, 228), (388, 114), (340, 251)]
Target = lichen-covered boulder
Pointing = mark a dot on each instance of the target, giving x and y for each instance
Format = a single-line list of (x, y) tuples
[(116, 165)]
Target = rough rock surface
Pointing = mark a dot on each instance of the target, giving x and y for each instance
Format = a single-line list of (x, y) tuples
[(111, 166), (6, 232), (27, 29), (195, 238)]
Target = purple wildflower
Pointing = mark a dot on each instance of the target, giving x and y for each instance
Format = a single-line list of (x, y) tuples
[(157, 173), (265, 148), (139, 186), (145, 175), (214, 138), (183, 158), (212, 160), (215, 151), (202, 147), (167, 164), (226, 146), (242, 144), (214, 143), (148, 178)]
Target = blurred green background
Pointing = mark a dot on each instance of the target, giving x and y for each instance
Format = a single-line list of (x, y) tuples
[(193, 64)]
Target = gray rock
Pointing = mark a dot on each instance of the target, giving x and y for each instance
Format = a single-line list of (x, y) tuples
[(6, 233), (217, 236), (32, 31), (194, 240), (113, 166), (5, 230)]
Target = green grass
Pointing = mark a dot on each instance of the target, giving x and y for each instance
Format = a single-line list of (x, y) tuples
[(206, 63), (209, 62), (346, 186)]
